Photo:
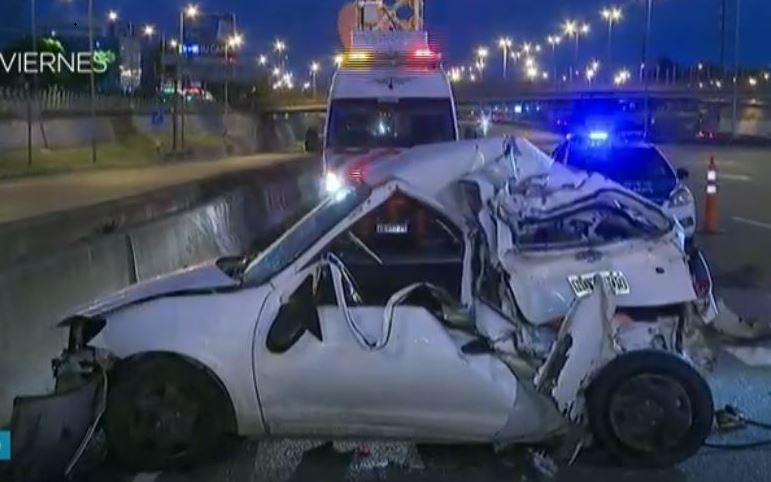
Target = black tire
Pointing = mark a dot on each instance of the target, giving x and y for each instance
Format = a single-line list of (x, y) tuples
[(650, 409), (164, 412)]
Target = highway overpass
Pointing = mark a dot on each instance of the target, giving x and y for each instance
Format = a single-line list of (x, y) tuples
[(492, 92)]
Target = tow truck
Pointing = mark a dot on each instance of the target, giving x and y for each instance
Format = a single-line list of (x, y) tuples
[(389, 94)]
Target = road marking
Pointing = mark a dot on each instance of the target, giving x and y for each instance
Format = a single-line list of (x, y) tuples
[(734, 177), (751, 222)]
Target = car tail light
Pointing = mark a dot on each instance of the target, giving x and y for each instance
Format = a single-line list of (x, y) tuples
[(700, 275), (357, 173)]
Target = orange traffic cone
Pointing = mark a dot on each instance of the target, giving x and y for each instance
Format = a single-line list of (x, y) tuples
[(711, 220)]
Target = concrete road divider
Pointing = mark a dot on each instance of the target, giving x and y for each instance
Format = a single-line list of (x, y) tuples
[(36, 292)]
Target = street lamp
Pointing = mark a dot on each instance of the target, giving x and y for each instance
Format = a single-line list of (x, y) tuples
[(279, 46), (612, 15), (315, 67), (149, 31), (233, 42), (112, 16), (572, 28), (554, 40), (482, 54), (505, 44), (262, 60), (189, 12)]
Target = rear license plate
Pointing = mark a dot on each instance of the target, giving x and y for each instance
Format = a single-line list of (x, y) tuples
[(583, 285)]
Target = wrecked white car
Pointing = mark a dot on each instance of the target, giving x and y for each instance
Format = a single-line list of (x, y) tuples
[(468, 292)]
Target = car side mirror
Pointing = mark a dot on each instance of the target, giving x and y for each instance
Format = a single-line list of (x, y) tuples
[(312, 140), (682, 173), (294, 318)]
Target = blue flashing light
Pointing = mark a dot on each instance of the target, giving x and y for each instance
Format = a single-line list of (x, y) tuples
[(598, 136), (191, 49)]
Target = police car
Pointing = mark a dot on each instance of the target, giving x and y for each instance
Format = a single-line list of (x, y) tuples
[(637, 165)]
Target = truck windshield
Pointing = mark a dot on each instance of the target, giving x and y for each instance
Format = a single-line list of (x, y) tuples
[(373, 123)]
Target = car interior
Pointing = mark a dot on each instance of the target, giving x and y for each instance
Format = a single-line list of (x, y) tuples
[(400, 243)]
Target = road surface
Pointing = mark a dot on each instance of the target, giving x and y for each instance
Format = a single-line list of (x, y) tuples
[(313, 461), (33, 196)]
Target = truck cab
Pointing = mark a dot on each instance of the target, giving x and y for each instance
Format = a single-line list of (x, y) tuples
[(389, 94)]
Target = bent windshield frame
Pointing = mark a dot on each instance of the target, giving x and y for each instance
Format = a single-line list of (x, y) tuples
[(300, 237), (381, 123)]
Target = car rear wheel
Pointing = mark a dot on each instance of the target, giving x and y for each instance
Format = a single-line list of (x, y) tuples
[(164, 412), (650, 408)]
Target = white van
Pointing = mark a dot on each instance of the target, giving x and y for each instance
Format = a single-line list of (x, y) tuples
[(389, 94)]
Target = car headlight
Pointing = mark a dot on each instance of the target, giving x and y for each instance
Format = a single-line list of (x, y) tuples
[(681, 197), (332, 183)]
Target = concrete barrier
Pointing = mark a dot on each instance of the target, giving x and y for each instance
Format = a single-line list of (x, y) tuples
[(248, 133), (35, 293)]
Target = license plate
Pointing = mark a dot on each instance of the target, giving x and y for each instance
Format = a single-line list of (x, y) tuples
[(583, 284), (392, 229)]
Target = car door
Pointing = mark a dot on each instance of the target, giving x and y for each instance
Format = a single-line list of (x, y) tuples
[(377, 369)]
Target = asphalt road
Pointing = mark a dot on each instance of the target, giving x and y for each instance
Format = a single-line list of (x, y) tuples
[(312, 461)]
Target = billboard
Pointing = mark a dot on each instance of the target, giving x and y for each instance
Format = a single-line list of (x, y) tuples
[(206, 35)]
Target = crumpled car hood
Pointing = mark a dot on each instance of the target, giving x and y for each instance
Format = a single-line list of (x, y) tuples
[(657, 275), (199, 277), (546, 224)]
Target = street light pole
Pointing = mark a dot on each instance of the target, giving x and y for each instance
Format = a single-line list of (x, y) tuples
[(314, 73), (179, 109), (505, 44), (646, 64), (92, 78), (735, 106), (554, 40), (33, 32), (231, 43), (612, 15)]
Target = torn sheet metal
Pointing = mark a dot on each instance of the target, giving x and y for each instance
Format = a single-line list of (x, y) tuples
[(583, 346), (49, 431)]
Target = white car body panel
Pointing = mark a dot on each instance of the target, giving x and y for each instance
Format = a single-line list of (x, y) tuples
[(216, 330), (419, 385), (204, 275), (540, 280), (683, 213)]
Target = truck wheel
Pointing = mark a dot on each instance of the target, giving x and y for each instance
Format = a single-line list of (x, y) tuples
[(164, 412), (650, 408)]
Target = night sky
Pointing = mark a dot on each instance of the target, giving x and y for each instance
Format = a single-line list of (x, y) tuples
[(685, 30)]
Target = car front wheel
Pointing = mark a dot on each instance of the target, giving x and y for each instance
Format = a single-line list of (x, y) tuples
[(650, 408), (164, 412)]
